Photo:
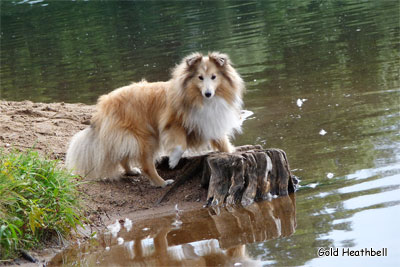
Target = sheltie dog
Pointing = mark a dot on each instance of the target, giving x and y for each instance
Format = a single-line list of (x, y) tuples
[(198, 107)]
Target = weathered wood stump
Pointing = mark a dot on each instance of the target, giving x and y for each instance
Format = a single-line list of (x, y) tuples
[(249, 174)]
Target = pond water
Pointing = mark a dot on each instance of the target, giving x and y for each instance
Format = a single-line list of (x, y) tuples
[(322, 80)]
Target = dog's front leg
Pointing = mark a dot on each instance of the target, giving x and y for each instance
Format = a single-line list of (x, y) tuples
[(176, 140)]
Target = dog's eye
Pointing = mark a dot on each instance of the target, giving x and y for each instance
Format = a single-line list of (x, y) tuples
[(213, 77), (201, 77)]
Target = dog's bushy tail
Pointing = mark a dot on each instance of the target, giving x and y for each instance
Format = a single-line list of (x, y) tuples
[(87, 156)]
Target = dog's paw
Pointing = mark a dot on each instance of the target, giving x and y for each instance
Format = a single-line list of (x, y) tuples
[(167, 182), (175, 157), (133, 172), (173, 162)]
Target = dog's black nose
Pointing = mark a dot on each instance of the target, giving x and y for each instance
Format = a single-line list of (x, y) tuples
[(207, 94)]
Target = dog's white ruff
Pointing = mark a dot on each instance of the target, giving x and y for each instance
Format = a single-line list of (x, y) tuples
[(215, 119)]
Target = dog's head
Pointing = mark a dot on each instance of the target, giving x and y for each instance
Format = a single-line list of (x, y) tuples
[(200, 78), (207, 73)]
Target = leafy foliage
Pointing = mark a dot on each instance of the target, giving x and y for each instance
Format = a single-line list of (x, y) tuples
[(38, 200)]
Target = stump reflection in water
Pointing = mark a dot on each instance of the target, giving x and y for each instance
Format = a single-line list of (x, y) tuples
[(210, 236)]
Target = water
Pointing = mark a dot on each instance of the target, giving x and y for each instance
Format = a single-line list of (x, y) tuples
[(204, 237), (341, 59)]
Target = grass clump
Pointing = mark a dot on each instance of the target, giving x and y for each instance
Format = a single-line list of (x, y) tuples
[(38, 200)]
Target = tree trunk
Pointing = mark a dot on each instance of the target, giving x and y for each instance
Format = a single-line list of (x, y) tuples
[(249, 174)]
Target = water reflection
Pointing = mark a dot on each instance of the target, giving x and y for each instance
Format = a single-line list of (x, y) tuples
[(86, 49), (206, 237)]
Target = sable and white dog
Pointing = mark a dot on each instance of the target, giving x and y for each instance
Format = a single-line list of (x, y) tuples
[(199, 106)]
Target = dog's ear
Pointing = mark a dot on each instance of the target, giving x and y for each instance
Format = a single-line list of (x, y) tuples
[(219, 59), (193, 59)]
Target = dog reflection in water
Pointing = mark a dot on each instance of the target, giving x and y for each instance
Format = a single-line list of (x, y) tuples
[(206, 237), (156, 252)]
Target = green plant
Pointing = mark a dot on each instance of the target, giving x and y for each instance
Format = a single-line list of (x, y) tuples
[(38, 200)]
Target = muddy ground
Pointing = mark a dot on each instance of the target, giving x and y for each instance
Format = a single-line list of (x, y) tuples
[(48, 129)]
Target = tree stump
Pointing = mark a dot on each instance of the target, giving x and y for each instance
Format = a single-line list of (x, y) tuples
[(249, 174)]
